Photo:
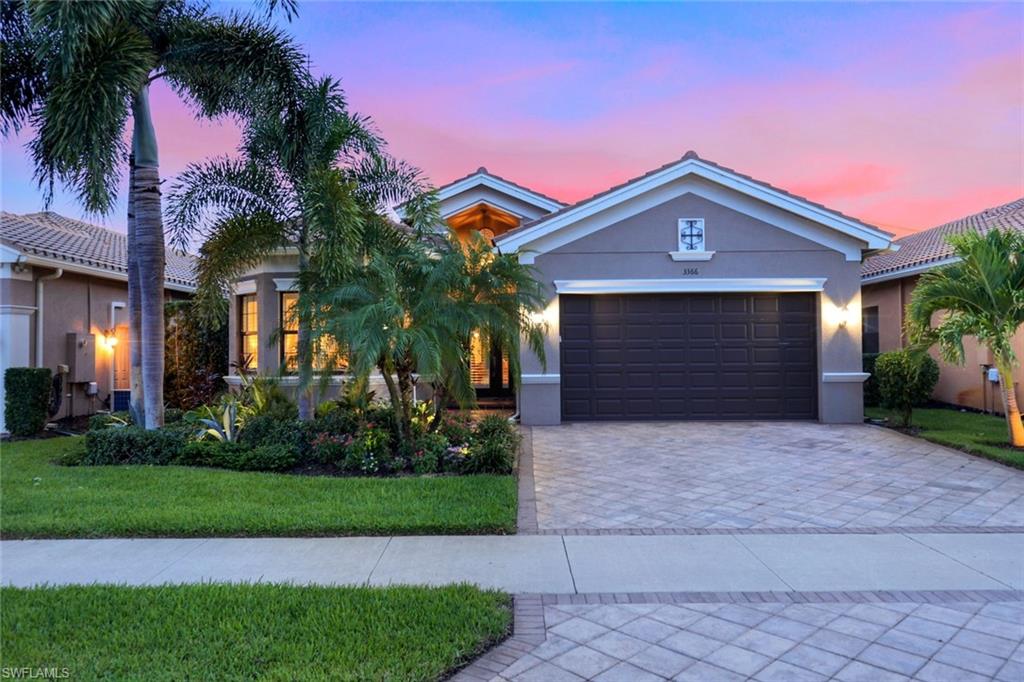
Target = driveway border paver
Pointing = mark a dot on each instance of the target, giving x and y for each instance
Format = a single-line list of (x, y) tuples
[(530, 628)]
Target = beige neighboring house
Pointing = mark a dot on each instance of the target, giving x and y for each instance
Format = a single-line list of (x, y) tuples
[(887, 281), (63, 304), (691, 292)]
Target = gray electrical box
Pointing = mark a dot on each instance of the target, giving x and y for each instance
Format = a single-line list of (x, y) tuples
[(81, 358)]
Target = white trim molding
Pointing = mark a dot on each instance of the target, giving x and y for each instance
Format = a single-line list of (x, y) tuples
[(693, 285), (676, 179), (541, 378), (246, 286), (686, 256), (286, 283), (17, 309), (291, 380), (844, 377), (497, 184)]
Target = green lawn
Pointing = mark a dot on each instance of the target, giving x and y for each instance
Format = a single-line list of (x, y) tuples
[(41, 499), (246, 632), (978, 434)]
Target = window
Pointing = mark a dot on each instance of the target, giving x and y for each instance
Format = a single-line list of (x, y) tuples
[(691, 234), (869, 329), (249, 344), (326, 349)]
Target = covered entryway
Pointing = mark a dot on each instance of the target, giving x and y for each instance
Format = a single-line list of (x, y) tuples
[(720, 356)]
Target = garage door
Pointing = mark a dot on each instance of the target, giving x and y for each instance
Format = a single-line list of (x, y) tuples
[(689, 356)]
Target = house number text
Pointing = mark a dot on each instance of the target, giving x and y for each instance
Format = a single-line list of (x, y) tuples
[(691, 271)]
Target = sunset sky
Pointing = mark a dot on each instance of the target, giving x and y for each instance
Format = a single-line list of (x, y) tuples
[(903, 115)]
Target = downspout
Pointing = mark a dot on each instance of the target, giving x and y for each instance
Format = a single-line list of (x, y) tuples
[(56, 274)]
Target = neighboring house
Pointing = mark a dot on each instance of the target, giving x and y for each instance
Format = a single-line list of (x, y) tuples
[(691, 292), (887, 280), (63, 303)]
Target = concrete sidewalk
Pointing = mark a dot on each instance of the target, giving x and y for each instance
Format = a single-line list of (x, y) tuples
[(542, 563)]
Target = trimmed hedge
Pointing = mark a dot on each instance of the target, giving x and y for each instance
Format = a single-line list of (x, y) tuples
[(226, 455), (905, 380), (26, 399), (132, 445)]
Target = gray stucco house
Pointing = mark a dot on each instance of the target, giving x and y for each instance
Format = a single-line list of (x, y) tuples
[(691, 292)]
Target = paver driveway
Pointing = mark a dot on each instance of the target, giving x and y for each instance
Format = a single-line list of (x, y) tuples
[(699, 475), (769, 642)]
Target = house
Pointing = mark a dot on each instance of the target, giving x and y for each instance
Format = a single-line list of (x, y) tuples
[(63, 303), (691, 292), (887, 280)]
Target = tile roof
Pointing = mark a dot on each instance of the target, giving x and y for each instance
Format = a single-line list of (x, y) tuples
[(930, 246), (51, 235), (686, 157)]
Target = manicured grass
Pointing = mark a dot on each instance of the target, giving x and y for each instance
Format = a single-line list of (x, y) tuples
[(978, 434), (246, 632), (41, 499)]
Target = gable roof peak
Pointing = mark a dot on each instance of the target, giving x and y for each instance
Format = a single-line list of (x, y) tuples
[(690, 154), (482, 169)]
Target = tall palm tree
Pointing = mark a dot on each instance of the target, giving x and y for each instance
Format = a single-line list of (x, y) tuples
[(413, 304), (981, 295), (308, 179), (78, 71)]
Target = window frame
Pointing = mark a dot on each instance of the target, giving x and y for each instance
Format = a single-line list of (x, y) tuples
[(867, 313), (244, 333), (295, 332)]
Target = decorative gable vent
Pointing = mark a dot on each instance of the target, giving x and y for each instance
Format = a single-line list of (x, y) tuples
[(691, 234)]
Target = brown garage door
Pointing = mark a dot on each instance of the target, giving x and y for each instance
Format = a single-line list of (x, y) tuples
[(689, 356)]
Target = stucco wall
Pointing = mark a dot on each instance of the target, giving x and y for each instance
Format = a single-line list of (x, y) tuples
[(745, 247), (958, 385), (72, 303)]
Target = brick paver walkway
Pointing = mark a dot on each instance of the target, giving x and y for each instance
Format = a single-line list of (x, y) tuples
[(934, 642), (690, 475)]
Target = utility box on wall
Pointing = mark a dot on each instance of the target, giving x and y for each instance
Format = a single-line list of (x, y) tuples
[(81, 358)]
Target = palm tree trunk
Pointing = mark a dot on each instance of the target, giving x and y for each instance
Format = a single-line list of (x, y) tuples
[(396, 399), (1010, 407), (137, 403), (149, 242), (304, 352)]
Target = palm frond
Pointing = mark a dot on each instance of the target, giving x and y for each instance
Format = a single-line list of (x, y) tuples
[(236, 244), (207, 193), (23, 59), (81, 123), (232, 64)]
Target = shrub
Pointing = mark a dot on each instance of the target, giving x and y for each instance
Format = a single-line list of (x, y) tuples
[(905, 379), (132, 445), (329, 448), (336, 422), (427, 453), (370, 451), (871, 395), (457, 429), (493, 447), (228, 455), (266, 429), (265, 458), (196, 357), (106, 420), (172, 415), (209, 453), (26, 399)]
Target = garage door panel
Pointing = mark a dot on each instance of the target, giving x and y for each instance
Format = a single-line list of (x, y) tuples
[(689, 356)]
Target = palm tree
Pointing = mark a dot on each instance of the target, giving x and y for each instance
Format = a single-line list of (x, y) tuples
[(981, 295), (412, 306), (78, 71), (308, 179)]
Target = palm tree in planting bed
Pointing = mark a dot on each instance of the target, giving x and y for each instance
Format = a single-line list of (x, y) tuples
[(412, 305), (310, 178), (78, 71), (981, 295)]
